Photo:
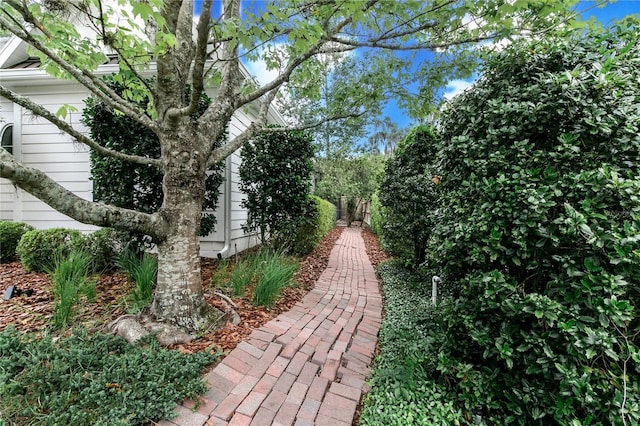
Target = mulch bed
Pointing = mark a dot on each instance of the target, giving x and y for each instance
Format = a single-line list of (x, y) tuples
[(33, 313), (372, 245)]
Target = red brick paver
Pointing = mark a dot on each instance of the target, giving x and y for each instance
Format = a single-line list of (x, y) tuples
[(308, 365)]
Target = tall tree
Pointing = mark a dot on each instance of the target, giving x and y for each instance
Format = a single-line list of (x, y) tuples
[(286, 35), (386, 137)]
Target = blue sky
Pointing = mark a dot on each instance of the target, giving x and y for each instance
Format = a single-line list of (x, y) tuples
[(606, 15)]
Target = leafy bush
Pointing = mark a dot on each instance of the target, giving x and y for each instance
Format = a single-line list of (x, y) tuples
[(376, 216), (93, 379), (138, 187), (69, 276), (537, 231), (319, 219), (105, 245), (408, 195), (39, 248), (275, 174), (275, 272), (10, 234), (404, 386)]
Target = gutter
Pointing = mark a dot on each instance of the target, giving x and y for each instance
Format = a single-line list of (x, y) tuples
[(227, 210)]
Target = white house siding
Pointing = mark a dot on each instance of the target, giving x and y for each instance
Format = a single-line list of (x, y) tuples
[(215, 243), (7, 193), (46, 148)]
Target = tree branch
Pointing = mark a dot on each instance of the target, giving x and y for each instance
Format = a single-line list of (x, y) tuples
[(255, 127), (40, 111), (46, 189), (198, 74), (313, 125), (86, 78), (399, 47)]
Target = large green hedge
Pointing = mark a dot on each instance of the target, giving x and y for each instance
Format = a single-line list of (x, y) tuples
[(319, 219), (407, 195), (536, 233), (275, 174)]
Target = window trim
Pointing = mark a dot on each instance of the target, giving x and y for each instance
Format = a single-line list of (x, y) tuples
[(6, 128)]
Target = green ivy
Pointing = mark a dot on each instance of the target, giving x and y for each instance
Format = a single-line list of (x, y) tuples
[(131, 186), (404, 385), (93, 379), (275, 174)]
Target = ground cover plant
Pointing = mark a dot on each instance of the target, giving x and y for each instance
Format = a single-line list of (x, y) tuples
[(96, 379), (536, 234), (404, 389)]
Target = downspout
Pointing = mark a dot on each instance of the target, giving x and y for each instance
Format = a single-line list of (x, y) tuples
[(227, 210)]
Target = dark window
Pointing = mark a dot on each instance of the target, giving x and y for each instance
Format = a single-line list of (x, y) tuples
[(7, 138)]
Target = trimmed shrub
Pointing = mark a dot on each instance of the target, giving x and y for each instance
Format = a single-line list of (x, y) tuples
[(408, 195), (105, 245), (275, 174), (10, 234), (376, 216), (537, 234), (38, 248), (319, 219)]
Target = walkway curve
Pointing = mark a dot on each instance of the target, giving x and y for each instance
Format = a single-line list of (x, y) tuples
[(307, 366)]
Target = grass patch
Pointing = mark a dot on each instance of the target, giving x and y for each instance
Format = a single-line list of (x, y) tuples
[(265, 272), (275, 272), (404, 389), (141, 268), (93, 379), (69, 276)]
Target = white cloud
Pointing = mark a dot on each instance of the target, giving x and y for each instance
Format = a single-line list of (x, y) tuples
[(456, 87), (258, 69)]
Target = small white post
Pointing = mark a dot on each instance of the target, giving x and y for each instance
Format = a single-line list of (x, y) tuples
[(435, 280)]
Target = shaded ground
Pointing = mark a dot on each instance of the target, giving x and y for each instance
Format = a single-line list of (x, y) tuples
[(33, 313), (372, 245)]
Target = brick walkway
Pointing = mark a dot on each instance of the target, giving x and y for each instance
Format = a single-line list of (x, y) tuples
[(307, 366)]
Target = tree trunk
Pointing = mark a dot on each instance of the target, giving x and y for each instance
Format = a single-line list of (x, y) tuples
[(179, 298)]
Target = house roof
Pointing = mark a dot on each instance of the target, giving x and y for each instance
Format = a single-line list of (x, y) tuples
[(34, 62)]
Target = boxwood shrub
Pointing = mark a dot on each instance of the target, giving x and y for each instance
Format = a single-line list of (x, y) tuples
[(10, 234), (319, 219), (105, 245), (38, 248)]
